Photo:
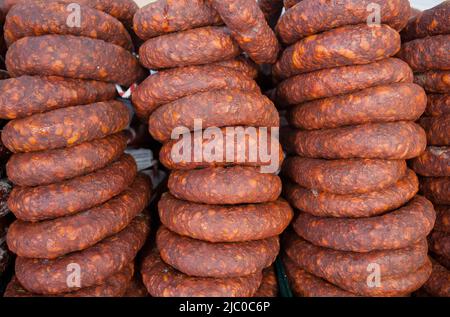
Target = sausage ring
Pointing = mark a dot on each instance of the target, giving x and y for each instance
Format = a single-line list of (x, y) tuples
[(436, 189), (437, 129), (438, 105), (434, 162), (434, 81)]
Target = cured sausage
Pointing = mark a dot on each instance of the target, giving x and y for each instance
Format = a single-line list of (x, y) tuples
[(390, 103), (217, 223), (349, 270), (96, 264), (430, 22), (165, 16), (229, 186), (434, 81), (439, 282), (434, 162), (26, 95), (437, 129), (82, 230), (217, 108), (26, 19), (5, 190), (344, 176), (246, 147), (193, 47), (394, 230), (269, 284), (393, 141), (241, 64), (315, 16), (162, 280), (48, 167), (323, 204), (66, 127), (170, 85), (290, 3), (272, 10), (114, 286), (342, 80), (442, 218), (74, 195), (436, 189), (438, 105), (430, 53), (344, 46), (136, 289), (249, 28), (73, 57), (439, 243), (205, 259)]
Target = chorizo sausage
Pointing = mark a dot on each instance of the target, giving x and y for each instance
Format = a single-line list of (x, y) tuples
[(225, 186), (394, 230), (438, 105), (205, 259), (344, 46), (5, 190), (390, 103), (73, 57), (272, 10), (26, 95), (48, 167), (344, 176), (439, 282), (434, 81), (241, 64), (393, 141), (437, 129), (442, 218), (436, 189), (323, 204), (439, 243), (269, 284), (342, 80), (162, 280), (170, 85), (74, 195), (434, 162), (316, 16), (290, 3), (97, 264), (82, 230), (430, 22), (165, 16), (192, 47), (249, 28), (193, 150), (216, 108), (26, 19), (136, 289), (430, 53), (65, 127), (217, 223)]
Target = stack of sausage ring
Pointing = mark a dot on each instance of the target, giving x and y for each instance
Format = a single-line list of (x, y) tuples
[(78, 198), (222, 218), (426, 49), (360, 229)]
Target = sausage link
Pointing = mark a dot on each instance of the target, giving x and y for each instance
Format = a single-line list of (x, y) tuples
[(216, 108), (74, 195), (136, 289), (439, 243), (80, 231), (316, 16), (48, 167), (345, 46), (442, 218), (439, 282), (437, 129), (167, 16), (323, 204), (272, 10), (393, 141), (225, 186), (434, 162), (162, 280), (438, 105), (390, 103), (73, 57), (436, 189), (170, 85), (65, 127), (193, 47), (394, 230), (434, 81), (97, 264), (342, 80), (290, 3), (26, 95), (205, 259), (269, 284), (430, 22), (249, 28), (241, 64), (430, 53), (216, 223), (344, 176), (26, 20)]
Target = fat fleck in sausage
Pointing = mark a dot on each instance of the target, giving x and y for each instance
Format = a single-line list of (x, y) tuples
[(434, 81), (434, 162)]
